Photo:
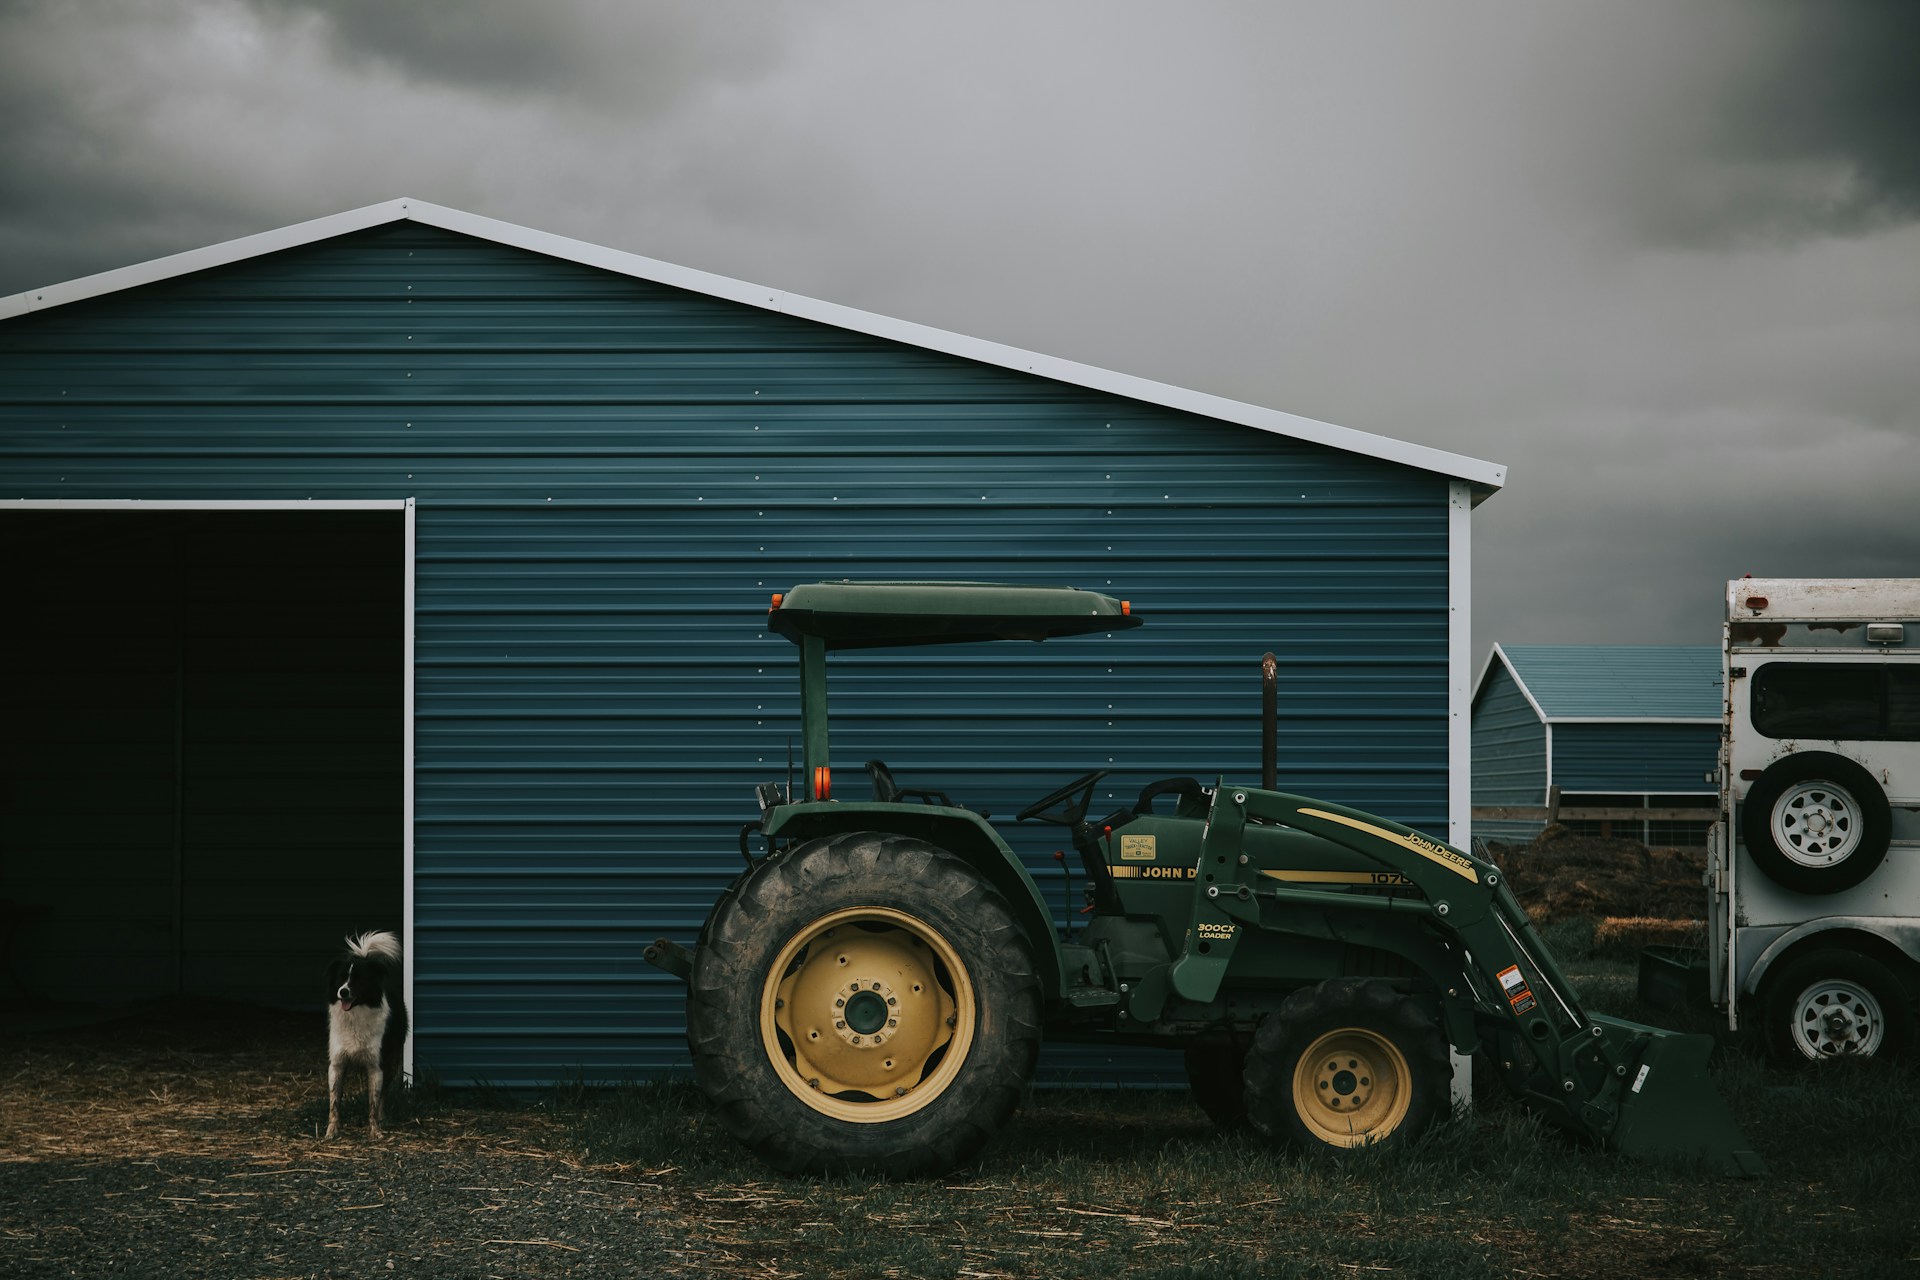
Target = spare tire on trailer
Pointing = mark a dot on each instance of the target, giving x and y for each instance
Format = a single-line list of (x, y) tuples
[(1816, 822), (864, 1002)]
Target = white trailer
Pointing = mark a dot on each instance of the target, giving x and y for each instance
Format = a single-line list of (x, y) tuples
[(1814, 865)]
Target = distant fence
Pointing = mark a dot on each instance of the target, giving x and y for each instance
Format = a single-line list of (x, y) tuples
[(1682, 825)]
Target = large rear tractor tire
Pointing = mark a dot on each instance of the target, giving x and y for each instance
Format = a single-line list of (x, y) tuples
[(1348, 1063), (864, 1003)]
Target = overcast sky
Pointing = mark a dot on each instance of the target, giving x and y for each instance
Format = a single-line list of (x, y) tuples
[(1662, 260)]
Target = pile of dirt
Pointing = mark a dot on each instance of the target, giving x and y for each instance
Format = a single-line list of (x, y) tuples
[(1562, 875)]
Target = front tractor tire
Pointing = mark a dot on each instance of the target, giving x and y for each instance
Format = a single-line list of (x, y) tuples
[(866, 1003), (1348, 1063)]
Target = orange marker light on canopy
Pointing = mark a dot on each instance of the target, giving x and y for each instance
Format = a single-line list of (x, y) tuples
[(822, 783), (777, 598), (1126, 608)]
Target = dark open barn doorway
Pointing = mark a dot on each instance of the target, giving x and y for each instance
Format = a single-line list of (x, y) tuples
[(202, 775)]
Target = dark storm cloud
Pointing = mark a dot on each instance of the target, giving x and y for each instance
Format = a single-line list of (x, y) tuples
[(1810, 129), (137, 128), (1662, 260), (1621, 527), (91, 177), (633, 55)]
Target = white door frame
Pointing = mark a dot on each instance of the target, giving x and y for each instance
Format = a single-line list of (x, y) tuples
[(405, 505)]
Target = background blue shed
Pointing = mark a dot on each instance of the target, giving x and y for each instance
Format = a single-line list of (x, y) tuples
[(1624, 737), (406, 568)]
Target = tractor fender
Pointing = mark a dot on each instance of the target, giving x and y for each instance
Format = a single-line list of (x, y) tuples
[(961, 832)]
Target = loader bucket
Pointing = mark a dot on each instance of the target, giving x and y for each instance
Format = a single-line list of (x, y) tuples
[(1669, 1109)]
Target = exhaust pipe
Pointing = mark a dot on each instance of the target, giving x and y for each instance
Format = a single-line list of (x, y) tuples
[(1269, 723)]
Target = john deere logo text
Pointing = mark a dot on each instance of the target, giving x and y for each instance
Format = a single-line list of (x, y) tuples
[(1431, 850), (1168, 873), (1152, 873), (1440, 853)]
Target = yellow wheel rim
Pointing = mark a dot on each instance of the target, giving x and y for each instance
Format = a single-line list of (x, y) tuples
[(1351, 1087), (867, 1014)]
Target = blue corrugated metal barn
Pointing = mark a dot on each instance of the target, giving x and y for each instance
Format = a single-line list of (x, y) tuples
[(1606, 727), (407, 568)]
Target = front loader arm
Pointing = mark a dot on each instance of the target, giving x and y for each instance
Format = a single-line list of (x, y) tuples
[(1466, 897), (1636, 1088)]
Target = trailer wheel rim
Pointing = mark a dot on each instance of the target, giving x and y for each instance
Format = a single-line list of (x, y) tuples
[(1835, 1018), (1352, 1087), (867, 1014), (1817, 824)]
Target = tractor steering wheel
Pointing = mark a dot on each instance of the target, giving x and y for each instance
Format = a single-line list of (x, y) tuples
[(1075, 811)]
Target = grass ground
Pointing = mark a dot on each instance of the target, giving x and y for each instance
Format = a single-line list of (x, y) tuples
[(1099, 1185), (138, 1152), (1138, 1184)]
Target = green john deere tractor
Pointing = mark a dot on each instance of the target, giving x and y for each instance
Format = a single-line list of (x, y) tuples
[(871, 992)]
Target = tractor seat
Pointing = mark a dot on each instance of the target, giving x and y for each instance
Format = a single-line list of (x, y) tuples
[(887, 791), (1191, 800)]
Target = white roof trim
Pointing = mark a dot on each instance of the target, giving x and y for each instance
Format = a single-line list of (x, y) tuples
[(1636, 719), (205, 504), (1484, 476), (1500, 655)]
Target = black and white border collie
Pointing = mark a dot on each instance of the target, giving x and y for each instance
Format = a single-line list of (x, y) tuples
[(366, 1023)]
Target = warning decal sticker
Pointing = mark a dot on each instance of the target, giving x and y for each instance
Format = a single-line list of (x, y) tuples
[(1517, 993)]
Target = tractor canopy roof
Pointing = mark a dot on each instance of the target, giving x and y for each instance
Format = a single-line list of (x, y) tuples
[(871, 615)]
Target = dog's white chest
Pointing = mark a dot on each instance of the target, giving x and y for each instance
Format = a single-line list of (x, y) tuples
[(355, 1034)]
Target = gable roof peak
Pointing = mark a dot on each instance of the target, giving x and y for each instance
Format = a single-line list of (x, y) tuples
[(1483, 478)]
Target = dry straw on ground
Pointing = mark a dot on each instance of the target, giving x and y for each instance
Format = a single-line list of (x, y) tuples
[(1562, 875)]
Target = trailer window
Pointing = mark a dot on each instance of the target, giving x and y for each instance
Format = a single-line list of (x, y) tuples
[(1837, 700)]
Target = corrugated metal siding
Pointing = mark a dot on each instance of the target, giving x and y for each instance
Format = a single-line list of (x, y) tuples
[(1669, 759), (1509, 754), (611, 478)]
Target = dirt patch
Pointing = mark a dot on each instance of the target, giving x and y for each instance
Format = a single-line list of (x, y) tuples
[(1561, 875), (188, 1143)]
